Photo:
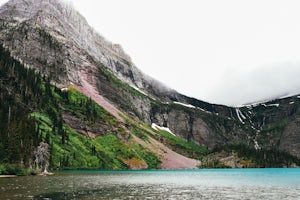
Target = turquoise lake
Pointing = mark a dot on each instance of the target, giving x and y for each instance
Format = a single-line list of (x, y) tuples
[(157, 184)]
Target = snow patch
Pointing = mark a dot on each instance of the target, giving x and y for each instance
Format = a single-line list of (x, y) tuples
[(185, 105), (240, 115), (157, 128), (194, 107), (142, 92), (270, 105), (64, 89), (292, 102), (249, 107), (254, 104), (204, 110), (137, 89), (256, 146), (288, 95)]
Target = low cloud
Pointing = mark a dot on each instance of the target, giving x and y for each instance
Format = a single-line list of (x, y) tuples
[(240, 86)]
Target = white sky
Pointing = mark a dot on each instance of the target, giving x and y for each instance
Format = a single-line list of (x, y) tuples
[(229, 52)]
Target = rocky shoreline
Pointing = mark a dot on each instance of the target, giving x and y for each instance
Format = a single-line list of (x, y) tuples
[(8, 176), (45, 174)]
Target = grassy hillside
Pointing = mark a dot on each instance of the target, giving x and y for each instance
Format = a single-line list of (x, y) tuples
[(187, 148), (80, 152)]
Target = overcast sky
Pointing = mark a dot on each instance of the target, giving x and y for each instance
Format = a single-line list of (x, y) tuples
[(229, 52)]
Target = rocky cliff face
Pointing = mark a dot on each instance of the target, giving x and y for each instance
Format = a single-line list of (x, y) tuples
[(54, 39), (53, 22)]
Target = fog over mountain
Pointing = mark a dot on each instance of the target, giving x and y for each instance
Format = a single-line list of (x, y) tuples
[(244, 86)]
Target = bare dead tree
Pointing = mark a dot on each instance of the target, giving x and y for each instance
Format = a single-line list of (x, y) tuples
[(42, 156)]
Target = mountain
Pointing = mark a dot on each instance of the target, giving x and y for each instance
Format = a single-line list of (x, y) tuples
[(97, 91), (55, 40)]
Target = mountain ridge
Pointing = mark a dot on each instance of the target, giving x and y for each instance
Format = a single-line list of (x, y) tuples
[(68, 51)]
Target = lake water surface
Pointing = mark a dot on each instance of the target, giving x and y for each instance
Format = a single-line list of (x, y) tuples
[(157, 184)]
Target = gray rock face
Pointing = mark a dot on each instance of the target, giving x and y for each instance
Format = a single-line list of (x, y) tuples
[(192, 128), (290, 140), (65, 26)]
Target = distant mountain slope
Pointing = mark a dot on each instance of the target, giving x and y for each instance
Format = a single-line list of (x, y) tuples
[(52, 38)]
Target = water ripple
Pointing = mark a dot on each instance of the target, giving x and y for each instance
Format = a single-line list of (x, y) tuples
[(186, 184)]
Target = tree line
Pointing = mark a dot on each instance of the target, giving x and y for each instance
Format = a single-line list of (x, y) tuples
[(23, 91)]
